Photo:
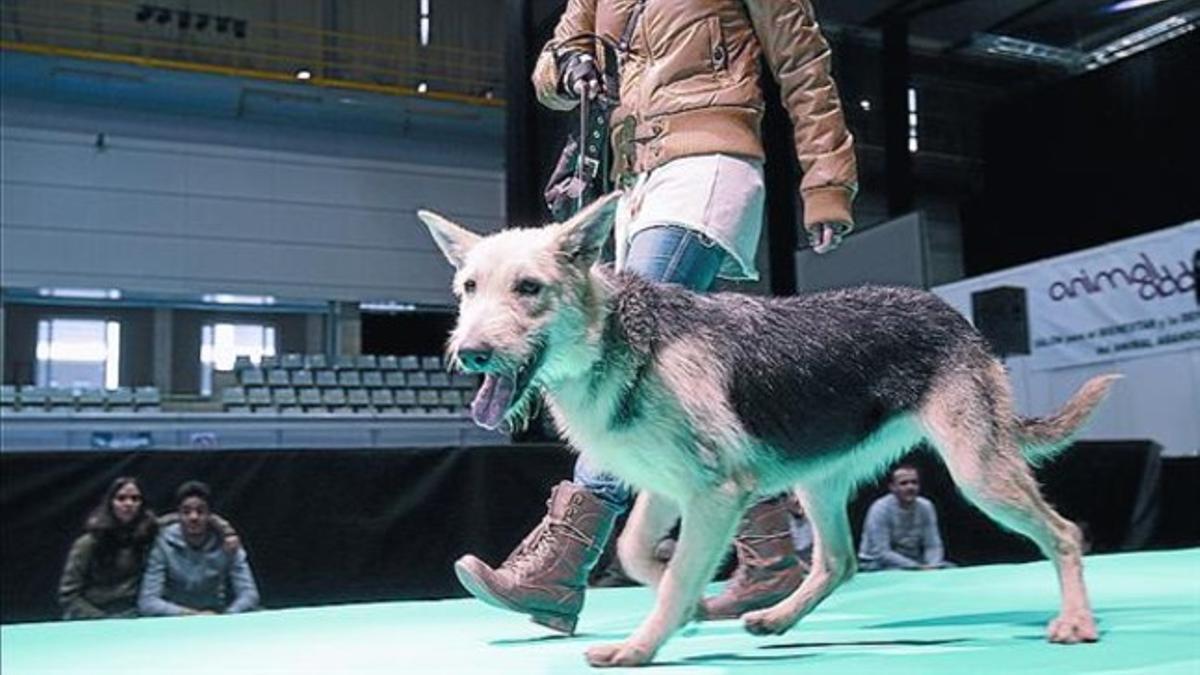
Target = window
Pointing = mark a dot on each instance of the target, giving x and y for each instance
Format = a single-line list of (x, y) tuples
[(78, 354), (423, 23), (222, 343), (913, 120)]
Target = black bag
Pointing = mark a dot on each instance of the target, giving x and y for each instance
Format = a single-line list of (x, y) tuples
[(572, 183)]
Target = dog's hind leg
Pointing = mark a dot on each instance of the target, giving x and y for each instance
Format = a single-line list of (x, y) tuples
[(834, 561), (651, 519), (709, 521), (973, 427)]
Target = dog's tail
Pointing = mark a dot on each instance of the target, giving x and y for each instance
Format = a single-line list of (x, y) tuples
[(1042, 438)]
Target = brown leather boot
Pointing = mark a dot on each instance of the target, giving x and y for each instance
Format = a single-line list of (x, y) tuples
[(768, 569), (546, 575)]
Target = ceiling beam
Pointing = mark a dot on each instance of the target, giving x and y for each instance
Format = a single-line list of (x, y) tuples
[(896, 8), (907, 9), (1007, 20)]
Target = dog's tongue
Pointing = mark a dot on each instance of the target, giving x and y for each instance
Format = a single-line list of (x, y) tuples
[(492, 401)]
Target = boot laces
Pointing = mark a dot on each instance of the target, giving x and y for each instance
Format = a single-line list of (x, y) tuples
[(751, 564), (537, 549), (544, 547)]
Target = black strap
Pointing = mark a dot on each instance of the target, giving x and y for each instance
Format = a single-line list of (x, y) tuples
[(630, 27), (581, 173)]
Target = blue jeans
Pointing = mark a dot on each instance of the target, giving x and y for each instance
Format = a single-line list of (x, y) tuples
[(671, 254)]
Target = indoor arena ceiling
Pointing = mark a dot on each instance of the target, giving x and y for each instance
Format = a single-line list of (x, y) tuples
[(1070, 32)]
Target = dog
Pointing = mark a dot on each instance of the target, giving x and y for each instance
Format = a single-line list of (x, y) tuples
[(705, 403)]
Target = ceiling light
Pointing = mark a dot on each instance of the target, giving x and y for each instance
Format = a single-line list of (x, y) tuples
[(1025, 50), (236, 299), (1141, 40), (387, 306), (1126, 5), (81, 293)]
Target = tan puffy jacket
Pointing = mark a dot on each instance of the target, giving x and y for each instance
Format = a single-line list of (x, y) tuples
[(690, 86)]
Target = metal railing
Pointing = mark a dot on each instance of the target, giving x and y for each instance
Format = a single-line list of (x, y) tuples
[(158, 36)]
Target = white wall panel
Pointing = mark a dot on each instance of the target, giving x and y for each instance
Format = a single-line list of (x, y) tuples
[(160, 211), (1158, 397)]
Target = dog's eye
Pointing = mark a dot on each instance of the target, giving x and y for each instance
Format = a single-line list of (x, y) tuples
[(469, 286), (528, 287)]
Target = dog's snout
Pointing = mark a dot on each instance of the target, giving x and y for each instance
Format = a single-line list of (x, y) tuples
[(475, 358)]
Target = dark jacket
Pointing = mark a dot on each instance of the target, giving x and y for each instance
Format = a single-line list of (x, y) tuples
[(99, 583), (104, 568)]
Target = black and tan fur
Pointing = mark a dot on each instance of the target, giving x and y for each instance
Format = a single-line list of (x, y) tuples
[(706, 402)]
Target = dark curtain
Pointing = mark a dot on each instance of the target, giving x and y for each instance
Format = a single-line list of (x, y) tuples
[(320, 526), (338, 526)]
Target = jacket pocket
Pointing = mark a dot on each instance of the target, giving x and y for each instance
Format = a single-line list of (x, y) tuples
[(687, 76), (688, 52), (718, 53)]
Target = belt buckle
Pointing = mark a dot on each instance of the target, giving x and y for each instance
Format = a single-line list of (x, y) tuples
[(591, 166)]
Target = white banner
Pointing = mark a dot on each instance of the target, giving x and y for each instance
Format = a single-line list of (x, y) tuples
[(1121, 300)]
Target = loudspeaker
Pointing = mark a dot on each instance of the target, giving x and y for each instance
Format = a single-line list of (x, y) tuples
[(999, 314)]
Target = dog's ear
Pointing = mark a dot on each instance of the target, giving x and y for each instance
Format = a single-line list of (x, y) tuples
[(584, 233), (454, 240)]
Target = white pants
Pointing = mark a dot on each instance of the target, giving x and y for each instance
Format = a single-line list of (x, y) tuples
[(721, 196)]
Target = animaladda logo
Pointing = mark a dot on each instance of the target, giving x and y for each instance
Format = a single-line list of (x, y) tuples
[(1151, 280)]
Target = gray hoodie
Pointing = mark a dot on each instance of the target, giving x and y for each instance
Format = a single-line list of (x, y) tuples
[(895, 537), (179, 577)]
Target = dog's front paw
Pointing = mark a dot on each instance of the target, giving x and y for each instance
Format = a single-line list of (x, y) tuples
[(1073, 628), (618, 654), (768, 621)]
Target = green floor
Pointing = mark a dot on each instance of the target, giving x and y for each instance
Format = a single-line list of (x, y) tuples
[(970, 620)]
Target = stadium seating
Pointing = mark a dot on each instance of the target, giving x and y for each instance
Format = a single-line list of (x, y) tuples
[(91, 400), (310, 400), (147, 399), (287, 384), (61, 400), (251, 377), (119, 399), (8, 397), (259, 399)]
